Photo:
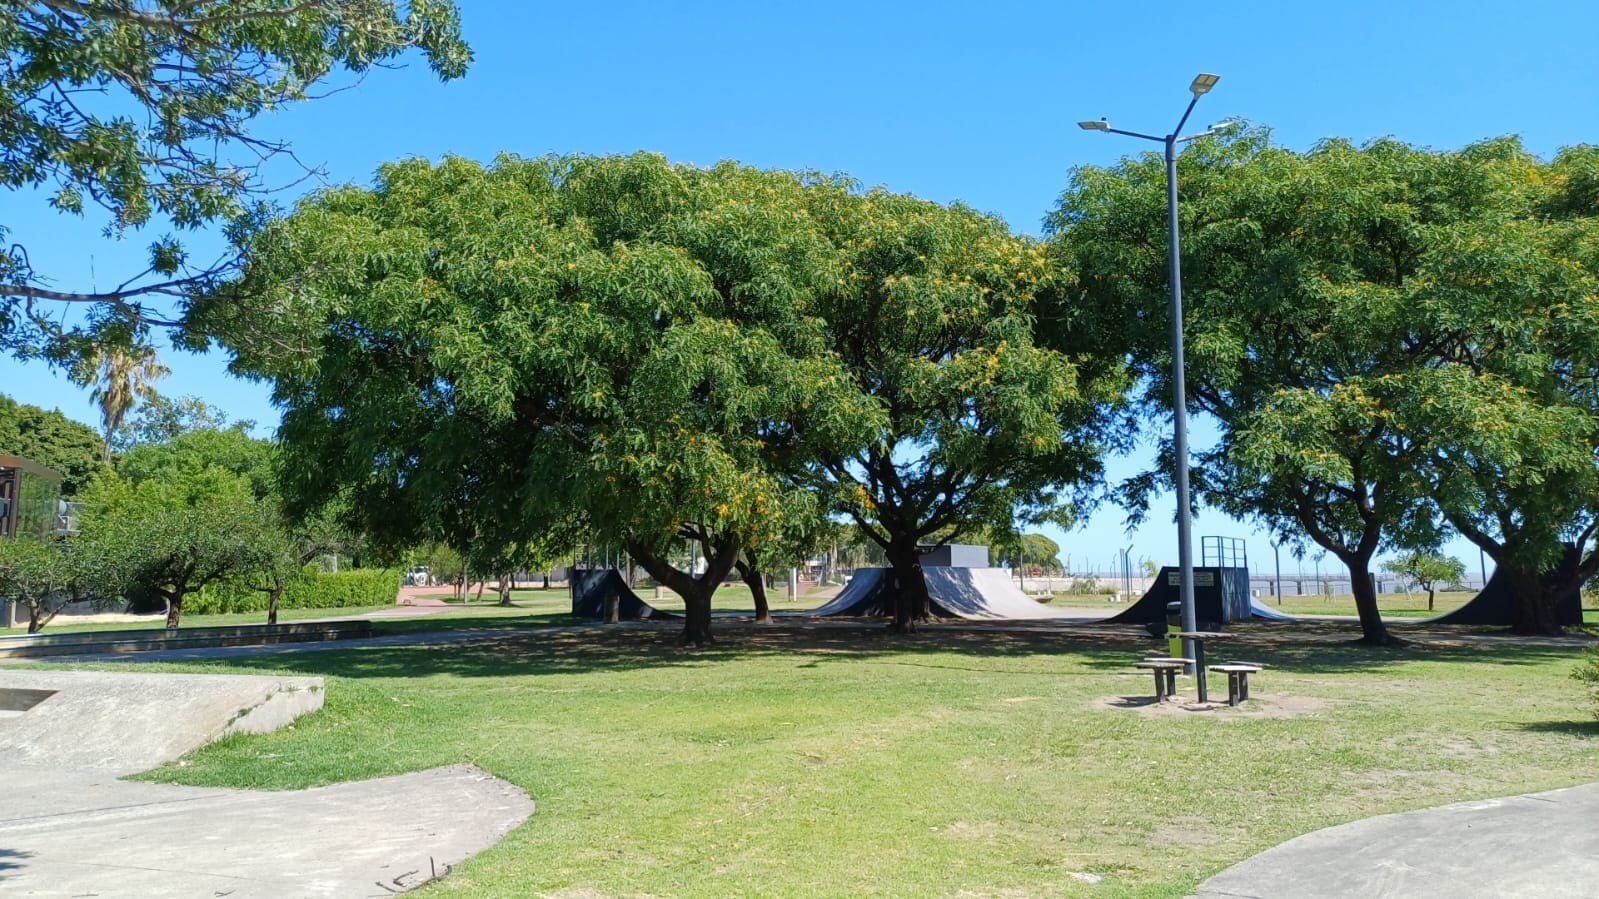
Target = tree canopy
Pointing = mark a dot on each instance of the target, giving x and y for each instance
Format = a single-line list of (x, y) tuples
[(933, 313), (616, 344), (143, 111), (1356, 315), (72, 449)]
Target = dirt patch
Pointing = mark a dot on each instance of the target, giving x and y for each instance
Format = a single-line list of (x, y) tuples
[(1278, 705)]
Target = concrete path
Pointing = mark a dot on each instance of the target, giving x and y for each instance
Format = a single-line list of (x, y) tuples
[(73, 833), (70, 827), (1543, 845)]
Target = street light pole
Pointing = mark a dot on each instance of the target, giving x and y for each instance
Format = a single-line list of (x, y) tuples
[(1185, 553)]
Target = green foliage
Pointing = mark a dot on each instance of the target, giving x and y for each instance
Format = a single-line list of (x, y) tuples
[(932, 312), (144, 109), (1383, 332), (514, 354), (1588, 673), (44, 575), (1429, 569), (231, 450), (309, 588), (174, 535), (72, 449), (159, 419)]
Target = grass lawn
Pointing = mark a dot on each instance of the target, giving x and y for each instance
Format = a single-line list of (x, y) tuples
[(807, 761)]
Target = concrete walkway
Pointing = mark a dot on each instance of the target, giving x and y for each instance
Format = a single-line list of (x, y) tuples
[(1543, 845), (70, 827)]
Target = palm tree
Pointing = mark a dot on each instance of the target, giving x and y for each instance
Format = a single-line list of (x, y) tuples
[(123, 379)]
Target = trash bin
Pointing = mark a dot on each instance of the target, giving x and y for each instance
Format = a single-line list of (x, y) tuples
[(1174, 623)]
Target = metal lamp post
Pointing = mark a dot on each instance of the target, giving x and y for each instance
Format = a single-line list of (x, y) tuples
[(1185, 558)]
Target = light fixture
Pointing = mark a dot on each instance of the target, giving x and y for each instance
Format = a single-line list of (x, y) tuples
[(1099, 125), (1203, 83)]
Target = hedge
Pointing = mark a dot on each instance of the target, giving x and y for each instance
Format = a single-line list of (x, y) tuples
[(312, 590)]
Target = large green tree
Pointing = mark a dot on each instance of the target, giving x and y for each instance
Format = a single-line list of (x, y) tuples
[(614, 341), (144, 111), (70, 448), (1507, 401), (934, 315), (174, 535), (1308, 279)]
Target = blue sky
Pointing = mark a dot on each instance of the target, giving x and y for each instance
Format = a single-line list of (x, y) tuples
[(949, 101)]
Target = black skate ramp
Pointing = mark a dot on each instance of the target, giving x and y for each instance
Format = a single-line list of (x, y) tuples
[(972, 593), (1495, 606), (1220, 595), (592, 588)]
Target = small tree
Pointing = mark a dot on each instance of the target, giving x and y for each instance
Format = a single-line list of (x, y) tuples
[(1588, 673), (175, 537), (44, 576), (1428, 569)]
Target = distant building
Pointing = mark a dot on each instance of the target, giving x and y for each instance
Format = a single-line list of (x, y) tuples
[(30, 498)]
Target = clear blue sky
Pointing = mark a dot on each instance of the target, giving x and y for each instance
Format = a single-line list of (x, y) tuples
[(950, 101)]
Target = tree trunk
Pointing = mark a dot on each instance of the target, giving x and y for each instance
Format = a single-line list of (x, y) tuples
[(697, 616), (174, 610), (505, 589), (1536, 599), (912, 604), (1372, 630), (1430, 594), (613, 607), (35, 618), (546, 579), (722, 553), (273, 596), (756, 581)]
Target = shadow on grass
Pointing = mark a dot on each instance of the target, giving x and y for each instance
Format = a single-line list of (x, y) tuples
[(1588, 728), (502, 649)]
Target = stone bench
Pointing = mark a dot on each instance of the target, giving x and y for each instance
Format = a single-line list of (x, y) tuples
[(1237, 679), (151, 639), (1165, 675)]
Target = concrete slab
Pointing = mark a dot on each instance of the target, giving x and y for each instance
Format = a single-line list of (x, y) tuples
[(69, 827), (1541, 845), (126, 722), (76, 834)]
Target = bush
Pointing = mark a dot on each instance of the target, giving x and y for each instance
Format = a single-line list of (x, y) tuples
[(1588, 673), (312, 590)]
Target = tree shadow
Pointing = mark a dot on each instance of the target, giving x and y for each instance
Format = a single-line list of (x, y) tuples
[(10, 860), (498, 651), (1564, 728)]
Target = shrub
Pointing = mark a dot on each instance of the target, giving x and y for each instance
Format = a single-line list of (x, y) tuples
[(314, 589), (1588, 673)]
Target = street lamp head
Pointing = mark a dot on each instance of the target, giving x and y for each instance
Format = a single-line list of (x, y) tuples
[(1203, 83), (1100, 125)]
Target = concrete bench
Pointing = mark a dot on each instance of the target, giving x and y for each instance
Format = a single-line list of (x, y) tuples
[(148, 639), (1237, 679), (1165, 675)]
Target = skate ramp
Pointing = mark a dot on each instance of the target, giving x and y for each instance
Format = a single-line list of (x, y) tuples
[(1220, 595), (1495, 606), (121, 722), (70, 827), (591, 589), (971, 593)]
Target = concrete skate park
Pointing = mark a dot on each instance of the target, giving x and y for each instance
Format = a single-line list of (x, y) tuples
[(78, 827), (71, 826)]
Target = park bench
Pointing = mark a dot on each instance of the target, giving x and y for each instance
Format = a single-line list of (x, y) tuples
[(1165, 675), (1237, 679)]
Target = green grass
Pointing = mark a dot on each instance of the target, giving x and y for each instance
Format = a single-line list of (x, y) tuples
[(805, 761), (64, 624)]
